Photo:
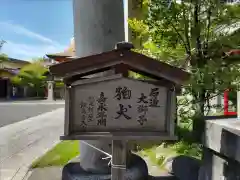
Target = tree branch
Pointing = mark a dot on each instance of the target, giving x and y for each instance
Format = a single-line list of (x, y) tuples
[(180, 37), (186, 30), (197, 33)]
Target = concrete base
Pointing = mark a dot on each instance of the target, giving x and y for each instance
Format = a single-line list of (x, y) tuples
[(137, 170), (54, 173), (223, 137), (221, 157), (217, 167)]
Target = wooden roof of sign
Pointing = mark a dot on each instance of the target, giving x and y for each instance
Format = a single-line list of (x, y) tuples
[(131, 60)]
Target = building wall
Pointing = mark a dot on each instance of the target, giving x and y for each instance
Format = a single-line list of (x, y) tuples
[(5, 74), (12, 64), (7, 87)]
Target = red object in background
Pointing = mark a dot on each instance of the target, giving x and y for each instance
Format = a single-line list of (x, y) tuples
[(234, 52), (226, 112)]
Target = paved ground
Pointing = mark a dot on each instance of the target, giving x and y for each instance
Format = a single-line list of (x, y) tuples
[(11, 112), (55, 173), (24, 141)]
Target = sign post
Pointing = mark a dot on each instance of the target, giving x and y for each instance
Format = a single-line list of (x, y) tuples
[(117, 107), (119, 159)]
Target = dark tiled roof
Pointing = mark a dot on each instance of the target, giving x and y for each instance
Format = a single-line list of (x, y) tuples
[(69, 52), (132, 60), (10, 70), (18, 61)]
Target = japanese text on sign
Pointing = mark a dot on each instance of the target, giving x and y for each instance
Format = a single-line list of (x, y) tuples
[(129, 106)]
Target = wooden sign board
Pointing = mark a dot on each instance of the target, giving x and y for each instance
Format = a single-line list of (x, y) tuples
[(116, 107)]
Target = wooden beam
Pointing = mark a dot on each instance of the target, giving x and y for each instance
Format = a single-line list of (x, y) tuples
[(119, 159)]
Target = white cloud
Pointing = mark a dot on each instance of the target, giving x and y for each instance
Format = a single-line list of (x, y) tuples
[(26, 32), (24, 51), (28, 51)]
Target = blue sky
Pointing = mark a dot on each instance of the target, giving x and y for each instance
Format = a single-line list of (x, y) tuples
[(33, 28)]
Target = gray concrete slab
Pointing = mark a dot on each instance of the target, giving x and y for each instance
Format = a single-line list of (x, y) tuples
[(51, 173), (15, 111), (22, 142), (223, 136)]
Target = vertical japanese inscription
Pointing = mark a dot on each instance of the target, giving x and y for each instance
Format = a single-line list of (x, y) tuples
[(90, 109), (123, 112), (123, 93), (83, 111), (102, 110), (142, 109), (154, 102)]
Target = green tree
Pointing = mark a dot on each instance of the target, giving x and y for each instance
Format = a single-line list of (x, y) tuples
[(3, 57), (32, 75), (194, 35)]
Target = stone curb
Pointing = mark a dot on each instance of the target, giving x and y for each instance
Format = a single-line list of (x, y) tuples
[(25, 172)]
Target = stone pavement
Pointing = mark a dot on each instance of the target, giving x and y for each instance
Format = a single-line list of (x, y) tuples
[(15, 111), (21, 143)]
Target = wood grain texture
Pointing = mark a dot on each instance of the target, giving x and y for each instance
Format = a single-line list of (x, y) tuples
[(67, 111), (136, 62), (160, 136), (170, 112), (132, 109), (119, 159)]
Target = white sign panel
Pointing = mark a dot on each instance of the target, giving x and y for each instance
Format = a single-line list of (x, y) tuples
[(118, 105)]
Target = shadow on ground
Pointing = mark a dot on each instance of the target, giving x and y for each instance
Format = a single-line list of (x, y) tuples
[(163, 177)]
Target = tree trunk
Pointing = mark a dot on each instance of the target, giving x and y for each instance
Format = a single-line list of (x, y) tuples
[(198, 119)]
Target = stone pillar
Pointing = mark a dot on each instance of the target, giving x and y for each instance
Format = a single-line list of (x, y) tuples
[(50, 86), (25, 91), (98, 26)]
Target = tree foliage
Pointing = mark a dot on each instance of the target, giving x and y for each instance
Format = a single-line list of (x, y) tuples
[(32, 75), (3, 57), (194, 35)]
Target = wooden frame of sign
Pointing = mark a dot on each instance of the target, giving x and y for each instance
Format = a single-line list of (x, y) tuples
[(116, 107)]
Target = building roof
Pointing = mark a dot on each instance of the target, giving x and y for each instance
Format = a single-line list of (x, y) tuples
[(132, 60), (11, 71), (69, 52), (18, 61)]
